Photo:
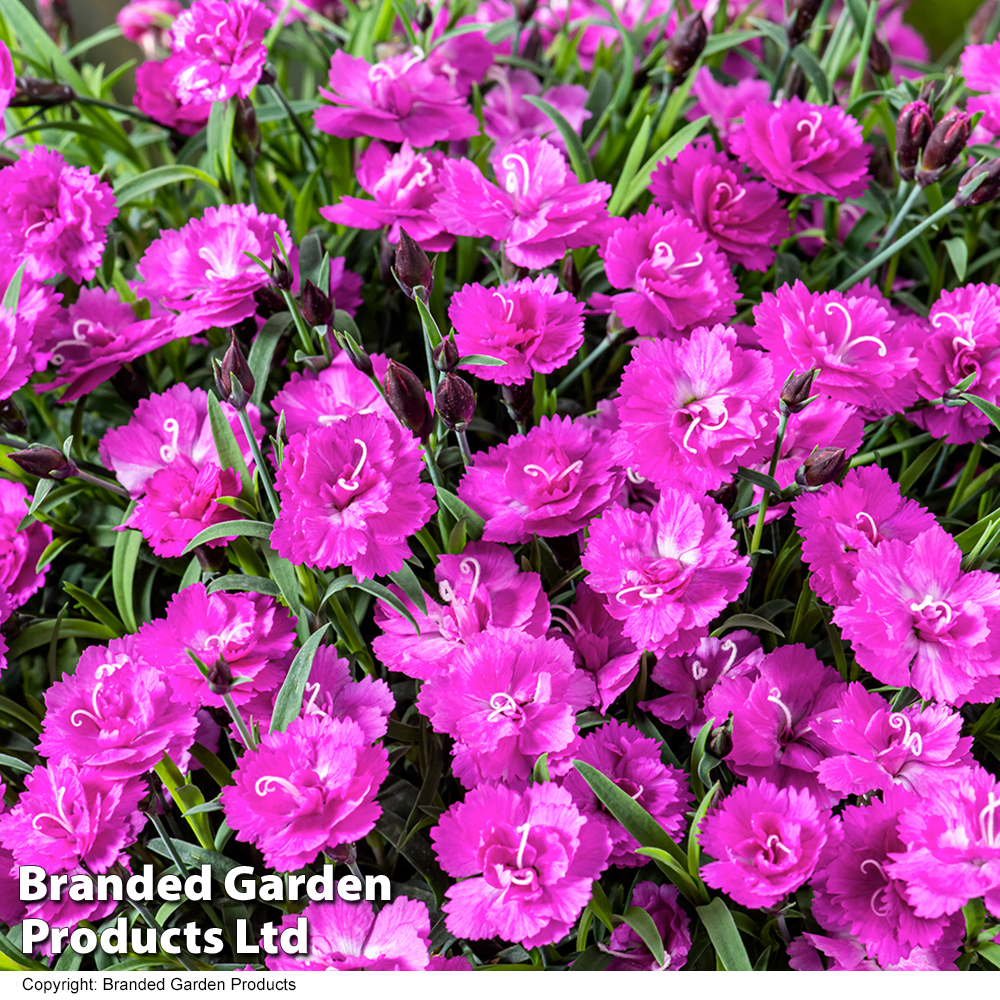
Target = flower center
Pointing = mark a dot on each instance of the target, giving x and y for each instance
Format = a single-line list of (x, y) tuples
[(507, 304), (63, 820), (705, 427), (861, 514), (986, 822), (774, 695), (912, 741), (168, 452), (550, 480), (698, 671), (524, 829), (504, 707), (352, 483), (730, 647), (268, 782), (810, 124), (933, 612), (883, 910), (848, 342), (663, 257), (96, 716), (512, 163), (727, 197)]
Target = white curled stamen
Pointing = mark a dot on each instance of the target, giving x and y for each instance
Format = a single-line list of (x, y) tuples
[(705, 427), (728, 188), (882, 911), (353, 483), (524, 829), (503, 702), (82, 328), (774, 695), (646, 592), (470, 565), (61, 818), (509, 161), (774, 841), (848, 342), (168, 452), (572, 623), (928, 603), (309, 706), (446, 592), (912, 740), (96, 716), (863, 513), (633, 477), (698, 671), (508, 305), (986, 820), (268, 782), (537, 470), (729, 646), (811, 123)]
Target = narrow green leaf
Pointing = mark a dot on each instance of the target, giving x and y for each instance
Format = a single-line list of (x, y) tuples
[(15, 764), (191, 575), (474, 523), (632, 163), (288, 704), (578, 157), (305, 205), (725, 936), (230, 455), (991, 952), (760, 479), (39, 634), (373, 588), (540, 772), (480, 359), (748, 621), (242, 582), (229, 529), (12, 294), (262, 352), (42, 490), (194, 857), (694, 848), (920, 465), (803, 55), (32, 36), (123, 560), (958, 251), (722, 43), (220, 774), (219, 134), (642, 923), (985, 406), (95, 607), (52, 550), (14, 710), (678, 142), (284, 575), (592, 960), (601, 906), (133, 188), (310, 259), (408, 583)]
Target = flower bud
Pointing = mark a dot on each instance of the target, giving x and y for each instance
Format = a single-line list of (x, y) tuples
[(446, 356), (455, 402), (359, 357), (913, 129), (425, 16), (413, 270), (987, 190), (268, 75), (525, 10), (823, 466), (220, 677), (879, 59), (269, 301), (947, 140), (212, 559), (246, 133), (12, 419), (720, 741), (280, 273), (30, 93), (533, 46), (233, 377), (801, 19), (725, 495), (407, 399), (980, 22), (317, 307), (686, 45), (46, 463), (519, 400), (795, 393), (570, 276), (880, 166)]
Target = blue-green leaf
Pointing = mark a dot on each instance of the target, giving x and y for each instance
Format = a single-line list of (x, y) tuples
[(288, 704), (725, 936)]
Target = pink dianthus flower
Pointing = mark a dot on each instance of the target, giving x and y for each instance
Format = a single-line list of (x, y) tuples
[(803, 148), (17, 355), (156, 95), (8, 83), (767, 840), (20, 550), (306, 789), (724, 104), (549, 482), (981, 69), (398, 99), (202, 270), (745, 218), (220, 48), (676, 276), (539, 211), (527, 324), (526, 863), (53, 216), (147, 23), (631, 954), (692, 411), (668, 573), (481, 590)]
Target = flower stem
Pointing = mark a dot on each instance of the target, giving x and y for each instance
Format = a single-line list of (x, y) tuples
[(758, 530), (258, 458), (585, 363), (898, 218), (248, 739)]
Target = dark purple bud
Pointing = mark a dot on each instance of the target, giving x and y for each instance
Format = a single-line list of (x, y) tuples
[(795, 392), (220, 677), (280, 273), (212, 559), (29, 93), (569, 274), (246, 133), (879, 59), (446, 356), (269, 301), (359, 358), (413, 270), (268, 75), (531, 50), (525, 10), (987, 190), (913, 129), (46, 463), (725, 495), (720, 741), (425, 16), (317, 308), (823, 466), (12, 419), (801, 19), (980, 22), (455, 402), (880, 166), (947, 140), (407, 399), (233, 377), (519, 400), (686, 44)]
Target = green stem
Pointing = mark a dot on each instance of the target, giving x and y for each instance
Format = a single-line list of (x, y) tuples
[(248, 739), (866, 43), (103, 483), (463, 446), (867, 457), (93, 102), (262, 469), (898, 218), (304, 338), (585, 363), (758, 530), (780, 75)]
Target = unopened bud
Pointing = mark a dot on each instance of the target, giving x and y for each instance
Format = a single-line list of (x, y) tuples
[(795, 392), (280, 273), (317, 308), (913, 129), (987, 189), (220, 677), (947, 140), (980, 22), (12, 419), (455, 402), (525, 10), (425, 16), (519, 400), (720, 741), (879, 59), (46, 463), (569, 274), (686, 44), (724, 495), (412, 268), (268, 75), (800, 20), (532, 46), (446, 356), (880, 166), (407, 399), (233, 377), (246, 133), (823, 466), (212, 558), (359, 357), (30, 92), (269, 301)]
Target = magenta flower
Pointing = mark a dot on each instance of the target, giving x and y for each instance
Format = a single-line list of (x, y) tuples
[(21, 549), (68, 816), (599, 645), (631, 954), (8, 83), (527, 863), (307, 789), (668, 573), (398, 99), (115, 714), (220, 48), (675, 275), (776, 732), (862, 352), (202, 270), (803, 148), (95, 336), (345, 286), (952, 839), (745, 218), (767, 840), (962, 339), (345, 936), (54, 216), (482, 590), (404, 186), (351, 495), (632, 762), (692, 411), (526, 324), (147, 23), (551, 481), (689, 678), (35, 319), (17, 355), (539, 210), (919, 620), (872, 747), (251, 632), (841, 521), (508, 698), (168, 428), (981, 69), (156, 95), (725, 105)]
